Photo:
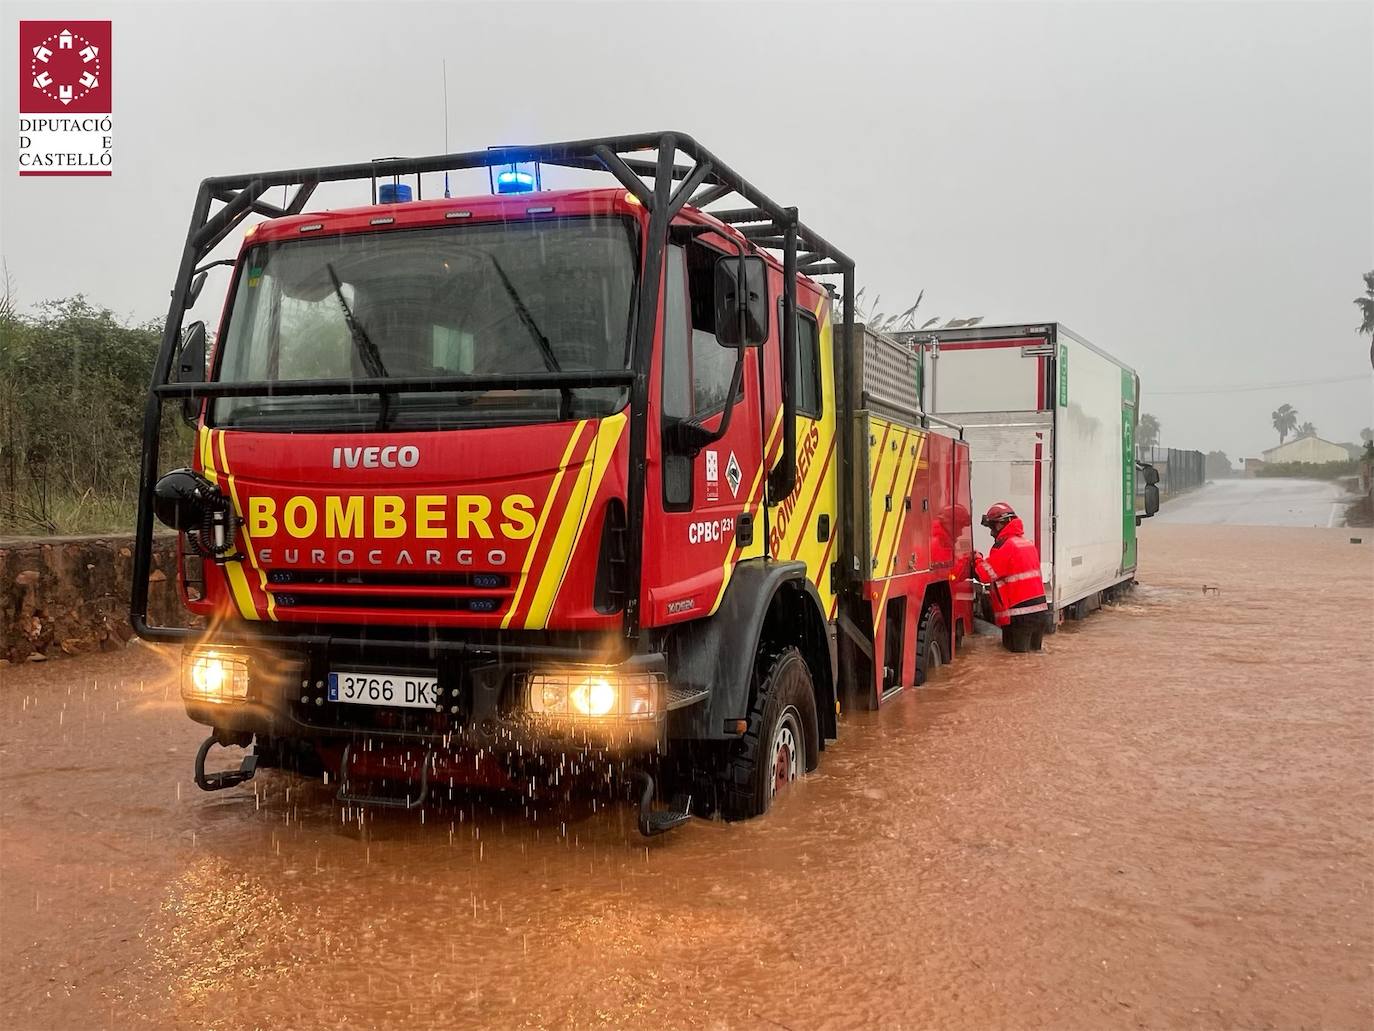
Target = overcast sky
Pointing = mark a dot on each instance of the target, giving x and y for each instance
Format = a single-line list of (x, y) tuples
[(1190, 186)]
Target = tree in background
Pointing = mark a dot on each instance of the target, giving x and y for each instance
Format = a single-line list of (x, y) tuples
[(872, 316), (1218, 465), (1285, 419), (1366, 306), (1147, 433), (73, 380), (1307, 429)]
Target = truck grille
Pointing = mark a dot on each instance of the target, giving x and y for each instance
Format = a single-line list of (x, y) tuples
[(418, 592)]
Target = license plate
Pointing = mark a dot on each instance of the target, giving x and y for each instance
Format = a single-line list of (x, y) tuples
[(403, 689)]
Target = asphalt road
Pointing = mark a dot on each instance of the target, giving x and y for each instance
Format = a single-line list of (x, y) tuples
[(1259, 502)]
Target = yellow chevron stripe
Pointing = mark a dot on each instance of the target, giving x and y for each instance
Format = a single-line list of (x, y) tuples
[(607, 437), (252, 555), (238, 583), (920, 451), (207, 457), (727, 567), (574, 514), (543, 519), (881, 455), (811, 487), (901, 488)]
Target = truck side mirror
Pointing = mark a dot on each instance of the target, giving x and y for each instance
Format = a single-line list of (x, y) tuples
[(741, 300), (191, 366), (1151, 498)]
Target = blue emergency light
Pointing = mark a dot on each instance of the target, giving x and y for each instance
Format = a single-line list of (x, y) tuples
[(514, 181), (514, 176), (393, 193)]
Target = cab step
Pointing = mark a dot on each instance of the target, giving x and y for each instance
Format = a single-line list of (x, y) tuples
[(652, 821), (405, 801), (224, 778)]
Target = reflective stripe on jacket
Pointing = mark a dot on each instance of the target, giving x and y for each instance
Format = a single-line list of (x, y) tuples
[(1012, 571)]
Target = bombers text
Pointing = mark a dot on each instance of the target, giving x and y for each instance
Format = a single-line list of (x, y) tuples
[(390, 517)]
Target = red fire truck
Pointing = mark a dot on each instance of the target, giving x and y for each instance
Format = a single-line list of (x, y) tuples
[(506, 488)]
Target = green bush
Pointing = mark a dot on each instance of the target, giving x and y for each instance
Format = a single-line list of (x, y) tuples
[(1310, 470), (73, 380)]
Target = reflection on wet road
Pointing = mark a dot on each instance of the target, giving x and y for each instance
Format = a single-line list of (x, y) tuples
[(1259, 502), (1162, 821)]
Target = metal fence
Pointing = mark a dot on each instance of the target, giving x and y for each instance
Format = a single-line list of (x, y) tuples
[(1178, 470)]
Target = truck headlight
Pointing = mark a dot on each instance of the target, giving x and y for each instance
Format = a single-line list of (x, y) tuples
[(601, 694), (212, 676)]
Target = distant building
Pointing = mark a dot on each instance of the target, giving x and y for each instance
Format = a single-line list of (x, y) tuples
[(1309, 449), (1253, 465)]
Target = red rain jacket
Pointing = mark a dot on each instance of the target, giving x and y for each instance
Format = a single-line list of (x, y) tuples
[(1012, 569)]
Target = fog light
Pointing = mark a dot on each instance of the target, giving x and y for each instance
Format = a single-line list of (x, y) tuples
[(215, 677), (597, 695)]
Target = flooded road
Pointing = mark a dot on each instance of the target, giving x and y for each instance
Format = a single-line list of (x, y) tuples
[(1164, 820), (1272, 501)]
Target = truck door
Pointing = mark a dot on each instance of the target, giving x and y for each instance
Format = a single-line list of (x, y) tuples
[(710, 501), (803, 526), (999, 390)]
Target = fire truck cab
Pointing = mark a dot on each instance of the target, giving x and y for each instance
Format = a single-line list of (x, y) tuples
[(512, 487)]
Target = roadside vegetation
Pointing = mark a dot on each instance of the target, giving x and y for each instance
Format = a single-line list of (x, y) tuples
[(1311, 470), (73, 378)]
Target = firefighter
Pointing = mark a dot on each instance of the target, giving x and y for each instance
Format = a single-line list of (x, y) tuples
[(1011, 573)]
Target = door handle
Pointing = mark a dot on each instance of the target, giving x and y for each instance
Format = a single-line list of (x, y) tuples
[(823, 527), (744, 529)]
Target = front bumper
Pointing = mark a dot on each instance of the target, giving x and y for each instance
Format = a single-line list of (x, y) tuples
[(482, 703)]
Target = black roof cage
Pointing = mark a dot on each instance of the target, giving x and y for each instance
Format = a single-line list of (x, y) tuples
[(656, 178)]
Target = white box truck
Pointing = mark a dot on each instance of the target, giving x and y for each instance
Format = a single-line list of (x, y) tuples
[(1051, 423)]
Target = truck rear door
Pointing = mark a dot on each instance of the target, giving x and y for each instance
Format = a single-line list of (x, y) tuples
[(999, 391)]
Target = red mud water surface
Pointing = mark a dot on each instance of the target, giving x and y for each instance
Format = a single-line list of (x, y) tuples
[(1165, 820)]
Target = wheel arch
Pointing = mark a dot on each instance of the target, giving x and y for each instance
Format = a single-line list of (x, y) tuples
[(768, 605)]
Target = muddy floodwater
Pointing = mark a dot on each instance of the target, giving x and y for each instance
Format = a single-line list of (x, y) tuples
[(1165, 820)]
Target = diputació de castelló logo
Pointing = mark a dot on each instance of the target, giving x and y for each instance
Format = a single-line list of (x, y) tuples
[(66, 124)]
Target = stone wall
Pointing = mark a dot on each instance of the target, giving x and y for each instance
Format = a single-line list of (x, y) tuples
[(67, 595)]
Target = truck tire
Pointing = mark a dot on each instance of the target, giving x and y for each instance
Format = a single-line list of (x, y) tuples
[(932, 643), (782, 742)]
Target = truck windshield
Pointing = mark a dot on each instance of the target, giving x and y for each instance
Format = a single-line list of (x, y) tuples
[(500, 298)]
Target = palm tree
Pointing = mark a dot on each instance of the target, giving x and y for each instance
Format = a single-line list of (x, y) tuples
[(1147, 432), (1366, 306), (1307, 430), (1285, 419)]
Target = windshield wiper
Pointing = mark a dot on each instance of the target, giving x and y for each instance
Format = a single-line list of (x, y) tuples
[(368, 353), (532, 327), (362, 343)]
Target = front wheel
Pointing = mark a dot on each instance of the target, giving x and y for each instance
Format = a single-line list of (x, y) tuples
[(782, 742)]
